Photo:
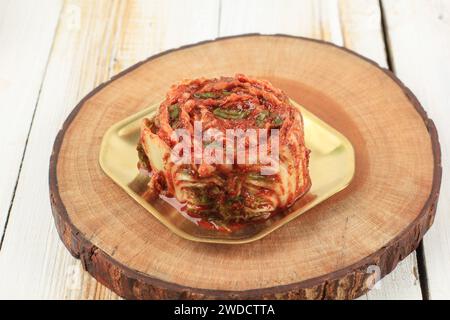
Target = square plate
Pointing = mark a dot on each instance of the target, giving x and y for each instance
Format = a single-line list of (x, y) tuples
[(332, 167)]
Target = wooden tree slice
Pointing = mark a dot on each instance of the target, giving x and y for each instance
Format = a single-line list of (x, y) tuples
[(330, 252)]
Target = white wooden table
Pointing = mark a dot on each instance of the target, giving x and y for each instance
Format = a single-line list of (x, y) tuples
[(54, 52)]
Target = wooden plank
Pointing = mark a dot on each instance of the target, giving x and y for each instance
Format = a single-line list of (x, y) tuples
[(94, 41), (27, 29), (353, 23), (310, 18), (418, 31), (361, 29)]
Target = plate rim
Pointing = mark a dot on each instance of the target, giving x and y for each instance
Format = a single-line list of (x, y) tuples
[(114, 128)]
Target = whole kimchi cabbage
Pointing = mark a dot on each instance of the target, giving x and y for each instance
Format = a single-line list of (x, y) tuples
[(241, 183)]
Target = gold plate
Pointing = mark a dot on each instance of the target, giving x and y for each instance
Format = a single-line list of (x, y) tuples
[(332, 166)]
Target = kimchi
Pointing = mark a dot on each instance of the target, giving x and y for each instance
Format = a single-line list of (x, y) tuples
[(231, 149)]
